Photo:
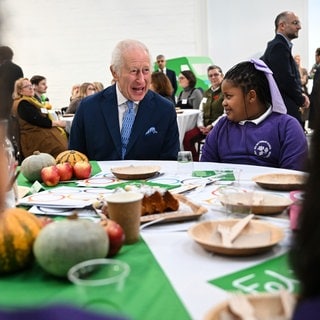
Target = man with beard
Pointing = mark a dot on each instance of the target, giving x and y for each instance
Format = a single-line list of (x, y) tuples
[(279, 58)]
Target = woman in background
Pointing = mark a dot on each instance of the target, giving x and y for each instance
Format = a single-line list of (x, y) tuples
[(86, 89), (161, 84), (210, 110), (98, 86), (37, 131), (191, 96)]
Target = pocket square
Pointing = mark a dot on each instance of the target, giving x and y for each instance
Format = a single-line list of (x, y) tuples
[(151, 130)]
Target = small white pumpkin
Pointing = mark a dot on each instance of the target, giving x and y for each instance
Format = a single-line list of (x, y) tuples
[(32, 165), (62, 244)]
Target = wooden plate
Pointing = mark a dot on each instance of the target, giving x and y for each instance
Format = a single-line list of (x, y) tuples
[(281, 181), (189, 211), (266, 306), (260, 202), (135, 172), (256, 237)]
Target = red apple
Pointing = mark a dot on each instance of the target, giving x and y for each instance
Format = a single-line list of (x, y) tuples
[(50, 176), (116, 236), (65, 171), (82, 170), (45, 220)]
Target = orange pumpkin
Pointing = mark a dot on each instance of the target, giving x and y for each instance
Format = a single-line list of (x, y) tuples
[(18, 231), (71, 156)]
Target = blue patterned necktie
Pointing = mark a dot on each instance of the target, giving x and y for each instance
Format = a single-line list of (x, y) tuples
[(127, 122)]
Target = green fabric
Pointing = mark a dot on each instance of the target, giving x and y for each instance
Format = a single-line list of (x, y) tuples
[(268, 276), (147, 293)]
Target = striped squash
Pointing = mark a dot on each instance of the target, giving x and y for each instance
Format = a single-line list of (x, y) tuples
[(18, 231), (71, 156)]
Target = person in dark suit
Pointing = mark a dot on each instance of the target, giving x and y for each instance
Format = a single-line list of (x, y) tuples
[(97, 126), (279, 59), (9, 73), (161, 62), (315, 92)]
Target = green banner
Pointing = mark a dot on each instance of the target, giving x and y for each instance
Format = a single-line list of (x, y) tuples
[(270, 276)]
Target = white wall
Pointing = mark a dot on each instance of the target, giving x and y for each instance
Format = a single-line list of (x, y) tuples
[(70, 41), (240, 30)]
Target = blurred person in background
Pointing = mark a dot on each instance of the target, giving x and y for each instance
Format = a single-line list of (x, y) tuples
[(304, 77), (9, 73), (38, 132), (98, 86), (315, 92), (86, 89), (210, 110), (305, 253), (161, 84), (40, 88), (162, 67), (190, 97)]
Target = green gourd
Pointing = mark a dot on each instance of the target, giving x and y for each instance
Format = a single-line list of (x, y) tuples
[(62, 244), (32, 165)]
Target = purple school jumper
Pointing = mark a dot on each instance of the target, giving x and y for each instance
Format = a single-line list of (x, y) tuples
[(277, 141)]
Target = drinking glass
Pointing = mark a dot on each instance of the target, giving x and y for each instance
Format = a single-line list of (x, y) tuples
[(184, 163)]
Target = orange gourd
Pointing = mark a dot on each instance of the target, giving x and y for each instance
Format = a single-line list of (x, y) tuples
[(18, 231), (71, 156)]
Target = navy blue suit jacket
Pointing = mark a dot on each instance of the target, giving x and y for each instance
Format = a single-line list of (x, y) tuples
[(279, 59), (95, 128)]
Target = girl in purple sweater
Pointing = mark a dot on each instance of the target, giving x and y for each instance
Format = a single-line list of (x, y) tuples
[(256, 129)]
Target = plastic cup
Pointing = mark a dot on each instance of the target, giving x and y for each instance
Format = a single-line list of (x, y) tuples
[(98, 282), (125, 209), (236, 200)]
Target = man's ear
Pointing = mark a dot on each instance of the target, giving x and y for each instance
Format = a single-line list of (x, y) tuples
[(114, 74)]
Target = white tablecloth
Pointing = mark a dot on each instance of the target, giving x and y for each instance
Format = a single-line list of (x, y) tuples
[(186, 120), (185, 263)]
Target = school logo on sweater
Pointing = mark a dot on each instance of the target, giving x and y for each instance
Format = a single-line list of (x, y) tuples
[(262, 149)]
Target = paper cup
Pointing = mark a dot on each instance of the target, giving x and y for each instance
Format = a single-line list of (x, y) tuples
[(125, 209)]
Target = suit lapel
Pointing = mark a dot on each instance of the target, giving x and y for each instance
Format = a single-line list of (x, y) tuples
[(109, 107)]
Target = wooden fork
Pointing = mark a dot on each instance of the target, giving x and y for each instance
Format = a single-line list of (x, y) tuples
[(225, 235), (241, 307)]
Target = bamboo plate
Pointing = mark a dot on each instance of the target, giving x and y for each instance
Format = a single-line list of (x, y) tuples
[(135, 172), (261, 203), (281, 181), (256, 237), (266, 306)]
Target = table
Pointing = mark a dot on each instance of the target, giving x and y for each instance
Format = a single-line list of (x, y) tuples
[(186, 120), (171, 275), (68, 121)]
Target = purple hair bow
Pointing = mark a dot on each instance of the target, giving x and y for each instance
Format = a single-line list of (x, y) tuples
[(277, 101)]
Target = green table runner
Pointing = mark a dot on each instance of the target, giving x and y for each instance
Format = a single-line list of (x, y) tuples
[(147, 293)]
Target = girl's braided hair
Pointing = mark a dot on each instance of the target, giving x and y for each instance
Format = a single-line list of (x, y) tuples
[(245, 76)]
